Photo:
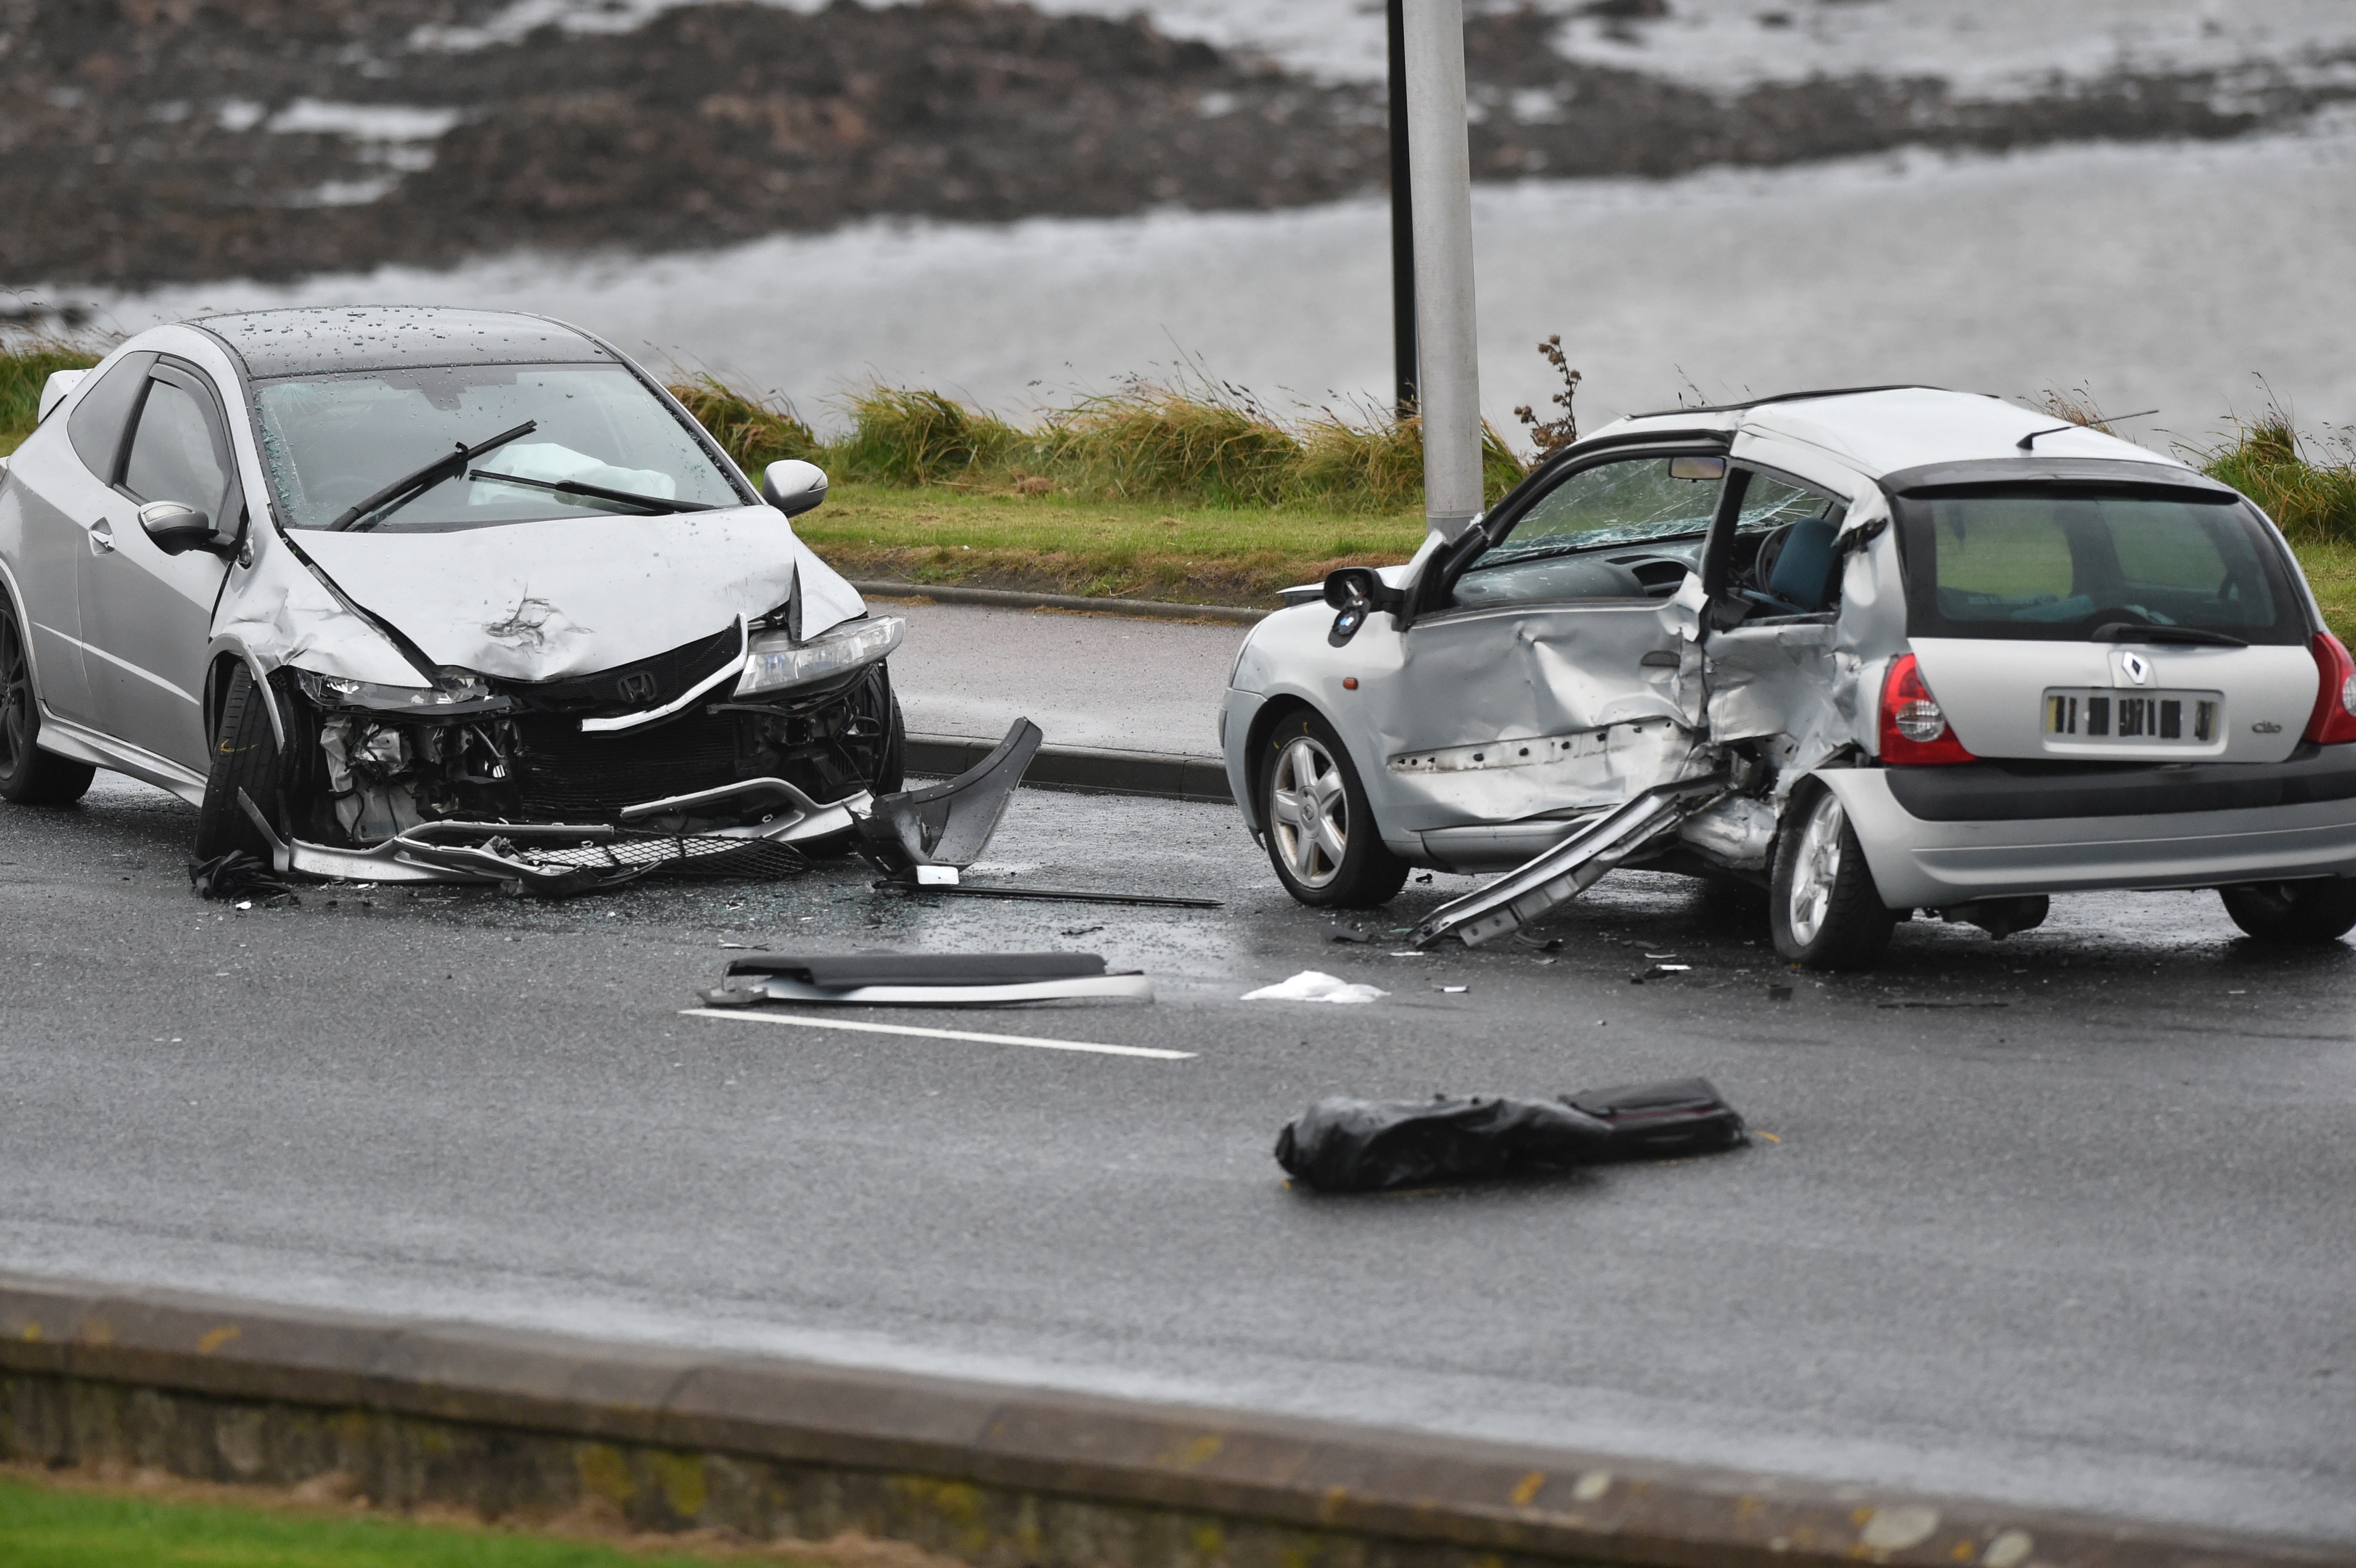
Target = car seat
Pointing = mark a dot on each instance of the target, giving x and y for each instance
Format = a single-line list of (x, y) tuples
[(1800, 578)]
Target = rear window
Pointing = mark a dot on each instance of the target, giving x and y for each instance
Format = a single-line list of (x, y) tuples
[(2060, 564)]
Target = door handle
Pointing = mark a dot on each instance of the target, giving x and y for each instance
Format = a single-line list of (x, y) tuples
[(101, 537)]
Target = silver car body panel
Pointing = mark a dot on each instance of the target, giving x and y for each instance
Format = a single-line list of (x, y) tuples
[(527, 602), (1434, 704)]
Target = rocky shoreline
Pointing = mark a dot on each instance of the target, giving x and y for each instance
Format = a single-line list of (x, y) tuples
[(156, 140)]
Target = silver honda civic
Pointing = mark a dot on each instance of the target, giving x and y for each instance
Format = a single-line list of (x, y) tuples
[(383, 590), (1874, 652)]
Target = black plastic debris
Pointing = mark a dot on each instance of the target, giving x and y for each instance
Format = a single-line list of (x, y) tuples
[(237, 876), (924, 979), (1342, 1145), (949, 824)]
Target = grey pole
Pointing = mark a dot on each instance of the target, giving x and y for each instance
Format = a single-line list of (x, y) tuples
[(1402, 222), (1440, 157)]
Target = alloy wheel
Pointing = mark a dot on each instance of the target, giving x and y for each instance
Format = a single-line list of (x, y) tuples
[(1817, 869), (15, 698), (1310, 812)]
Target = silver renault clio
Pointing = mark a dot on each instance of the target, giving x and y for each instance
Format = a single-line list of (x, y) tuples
[(1875, 651)]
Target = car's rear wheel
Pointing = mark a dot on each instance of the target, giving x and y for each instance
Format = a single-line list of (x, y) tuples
[(1823, 907), (28, 775), (245, 757), (1322, 836), (2294, 914)]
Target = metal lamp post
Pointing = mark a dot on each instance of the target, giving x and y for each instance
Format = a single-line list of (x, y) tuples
[(1430, 46)]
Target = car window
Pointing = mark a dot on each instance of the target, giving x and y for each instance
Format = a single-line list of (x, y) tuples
[(172, 454), (2061, 563), (1782, 558), (1562, 547), (95, 426), (1769, 503), (331, 442)]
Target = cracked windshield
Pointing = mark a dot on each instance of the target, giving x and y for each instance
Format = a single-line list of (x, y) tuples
[(332, 443), (1616, 504)]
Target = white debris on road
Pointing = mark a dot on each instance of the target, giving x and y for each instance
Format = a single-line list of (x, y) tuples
[(1312, 986)]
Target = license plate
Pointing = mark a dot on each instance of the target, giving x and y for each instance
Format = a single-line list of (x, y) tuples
[(2135, 717)]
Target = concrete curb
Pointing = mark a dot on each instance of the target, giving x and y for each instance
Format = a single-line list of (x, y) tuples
[(1008, 599), (1169, 775), (526, 1424)]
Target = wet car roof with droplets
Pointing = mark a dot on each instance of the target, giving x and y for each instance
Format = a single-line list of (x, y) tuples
[(326, 342)]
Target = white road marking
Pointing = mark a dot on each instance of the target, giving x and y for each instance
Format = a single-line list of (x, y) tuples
[(1035, 1041)]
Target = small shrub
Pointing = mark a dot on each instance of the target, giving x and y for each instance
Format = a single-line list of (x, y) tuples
[(1146, 441), (909, 436), (1551, 436), (2310, 495), (754, 431)]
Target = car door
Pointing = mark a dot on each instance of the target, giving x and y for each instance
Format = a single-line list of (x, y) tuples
[(61, 488), (1774, 574), (1543, 673), (147, 616)]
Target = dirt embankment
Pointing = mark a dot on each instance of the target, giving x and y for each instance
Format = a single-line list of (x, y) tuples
[(157, 140)]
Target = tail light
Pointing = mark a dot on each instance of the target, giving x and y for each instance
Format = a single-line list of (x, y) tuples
[(1913, 727), (2334, 720)]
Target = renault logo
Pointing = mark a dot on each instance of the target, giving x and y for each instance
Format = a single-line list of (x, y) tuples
[(2138, 667), (640, 685)]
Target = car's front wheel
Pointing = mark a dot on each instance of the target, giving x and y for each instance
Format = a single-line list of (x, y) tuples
[(28, 775), (2294, 914), (1823, 907), (1322, 836), (246, 758)]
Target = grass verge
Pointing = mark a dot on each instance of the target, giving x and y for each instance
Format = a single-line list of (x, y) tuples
[(1197, 492), (45, 1523)]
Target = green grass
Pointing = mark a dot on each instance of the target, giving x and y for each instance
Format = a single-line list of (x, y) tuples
[(42, 1527), (1198, 493)]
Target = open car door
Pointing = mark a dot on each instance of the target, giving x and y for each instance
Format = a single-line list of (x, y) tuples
[(1547, 670)]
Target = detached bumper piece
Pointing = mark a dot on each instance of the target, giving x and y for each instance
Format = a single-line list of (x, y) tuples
[(924, 979), (948, 825), (1562, 874), (1367, 1145), (551, 860)]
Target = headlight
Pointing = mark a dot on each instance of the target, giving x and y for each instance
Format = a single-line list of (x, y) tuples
[(450, 688), (776, 661)]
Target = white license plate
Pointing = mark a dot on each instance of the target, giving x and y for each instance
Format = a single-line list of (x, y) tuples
[(2134, 718)]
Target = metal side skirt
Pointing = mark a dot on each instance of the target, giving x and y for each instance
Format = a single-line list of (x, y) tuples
[(1571, 867), (83, 744)]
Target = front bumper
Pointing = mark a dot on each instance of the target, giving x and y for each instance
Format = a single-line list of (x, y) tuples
[(1924, 864)]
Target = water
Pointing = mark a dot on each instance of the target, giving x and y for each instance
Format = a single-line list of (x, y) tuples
[(2157, 276)]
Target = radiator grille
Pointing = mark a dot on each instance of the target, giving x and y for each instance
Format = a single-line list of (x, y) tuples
[(570, 777)]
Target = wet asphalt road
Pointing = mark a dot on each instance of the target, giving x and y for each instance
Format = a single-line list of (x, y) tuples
[(2065, 1220)]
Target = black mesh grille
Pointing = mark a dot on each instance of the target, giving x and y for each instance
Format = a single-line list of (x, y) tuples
[(570, 777)]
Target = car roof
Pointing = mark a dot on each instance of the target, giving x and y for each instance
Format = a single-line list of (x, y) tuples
[(1883, 430), (327, 341)]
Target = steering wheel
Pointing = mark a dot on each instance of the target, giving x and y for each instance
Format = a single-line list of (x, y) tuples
[(1770, 550)]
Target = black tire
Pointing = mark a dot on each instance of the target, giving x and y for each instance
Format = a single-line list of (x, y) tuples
[(2294, 914), (28, 775), (892, 771), (245, 758), (1823, 907), (1306, 760)]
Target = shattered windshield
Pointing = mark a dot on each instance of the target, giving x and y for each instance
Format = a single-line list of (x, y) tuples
[(331, 442), (2060, 564), (1612, 504)]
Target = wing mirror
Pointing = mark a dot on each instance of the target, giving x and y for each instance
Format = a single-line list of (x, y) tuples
[(1357, 592), (793, 486), (175, 527)]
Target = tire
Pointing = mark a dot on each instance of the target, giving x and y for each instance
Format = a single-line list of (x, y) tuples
[(1323, 842), (1823, 907), (2294, 914), (28, 775), (245, 758)]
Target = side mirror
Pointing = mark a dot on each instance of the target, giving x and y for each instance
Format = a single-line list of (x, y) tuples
[(175, 527), (1357, 592), (793, 486)]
